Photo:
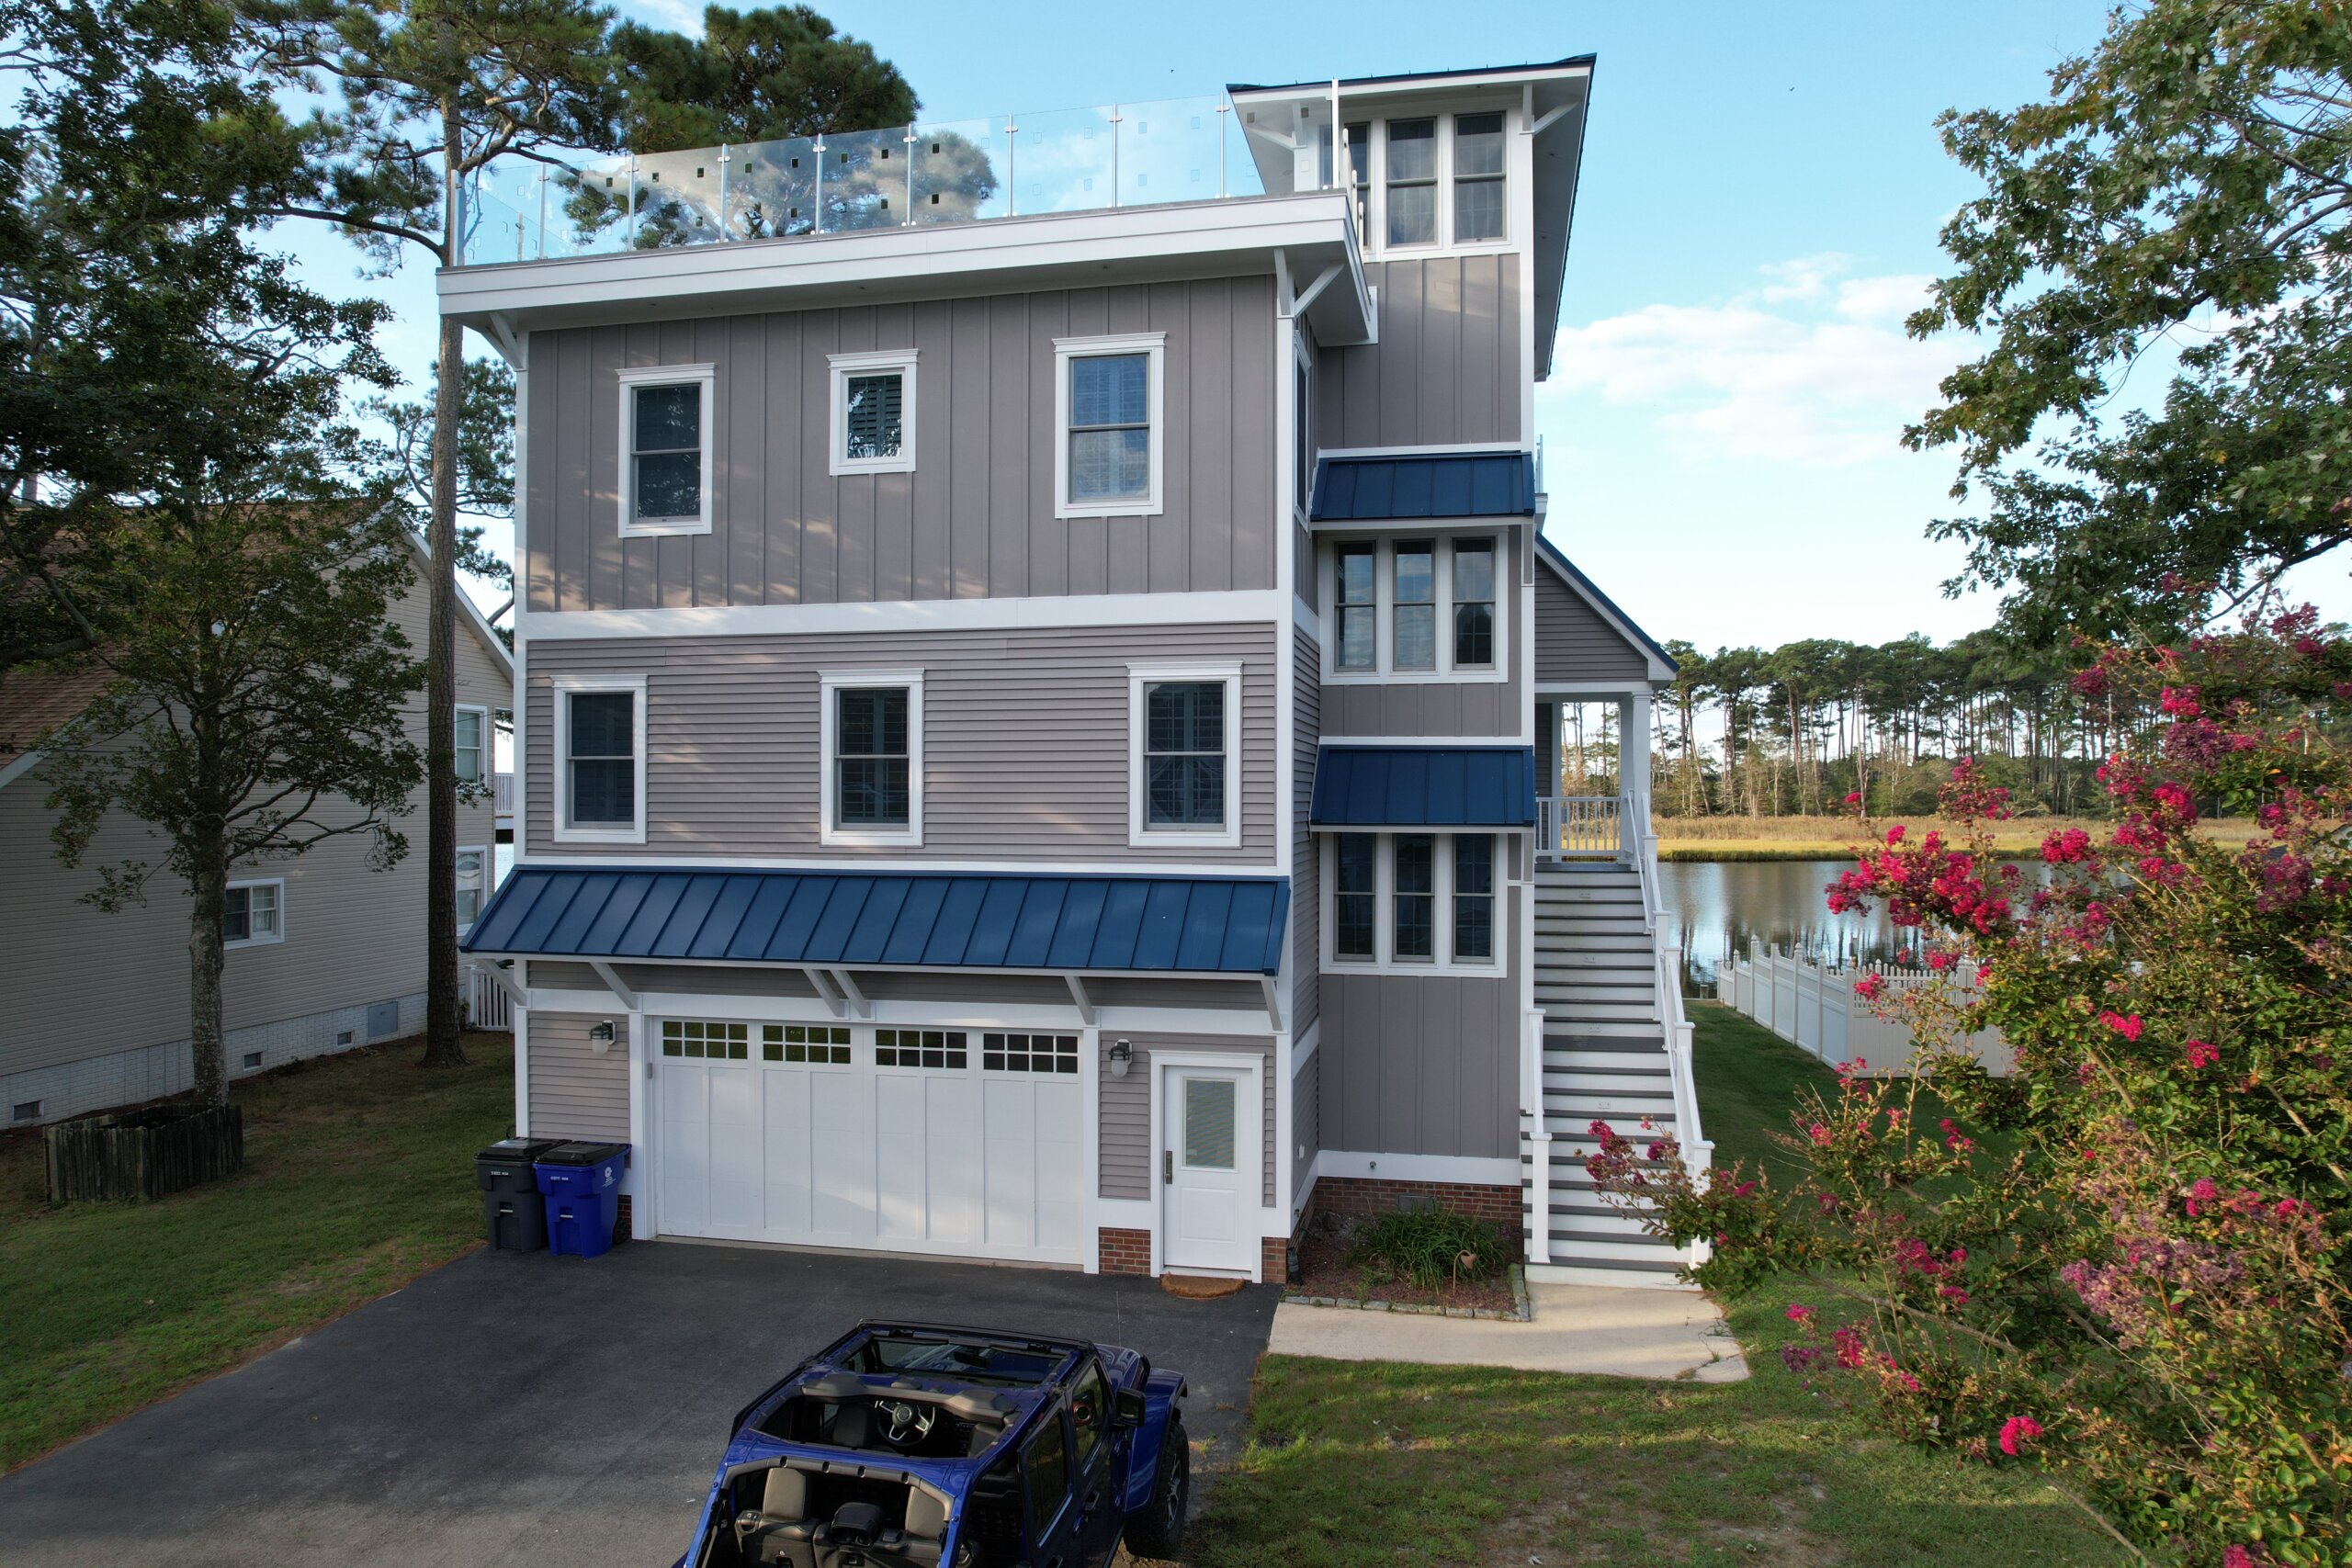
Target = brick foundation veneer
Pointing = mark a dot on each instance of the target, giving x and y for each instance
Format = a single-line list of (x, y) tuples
[(622, 1226), (1273, 1264), (1358, 1196), (1124, 1252)]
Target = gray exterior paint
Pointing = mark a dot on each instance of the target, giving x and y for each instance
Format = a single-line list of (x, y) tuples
[(1573, 643), (1419, 1064), (1305, 858), (1124, 1152), (1152, 991), (1306, 1123), (974, 519), (690, 979), (575, 1093), (732, 740), (1446, 368), (1412, 709)]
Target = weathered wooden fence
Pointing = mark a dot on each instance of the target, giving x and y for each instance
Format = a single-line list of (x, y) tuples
[(143, 1154), (1813, 1005)]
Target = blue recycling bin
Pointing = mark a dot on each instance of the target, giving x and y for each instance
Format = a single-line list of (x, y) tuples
[(580, 1184)]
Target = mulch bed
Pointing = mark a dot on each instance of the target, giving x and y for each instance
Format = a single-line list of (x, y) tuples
[(1324, 1270)]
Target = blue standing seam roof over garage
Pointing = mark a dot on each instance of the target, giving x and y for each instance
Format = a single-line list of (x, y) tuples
[(1424, 786), (1449, 484), (1207, 925)]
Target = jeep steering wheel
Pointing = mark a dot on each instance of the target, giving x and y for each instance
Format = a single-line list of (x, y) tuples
[(904, 1424)]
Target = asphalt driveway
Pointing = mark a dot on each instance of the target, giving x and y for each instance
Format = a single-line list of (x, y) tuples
[(517, 1408)]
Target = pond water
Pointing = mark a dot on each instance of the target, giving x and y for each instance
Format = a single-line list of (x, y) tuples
[(1721, 906)]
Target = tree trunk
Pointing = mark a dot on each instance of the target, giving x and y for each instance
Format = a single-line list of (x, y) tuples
[(209, 892), (443, 1047)]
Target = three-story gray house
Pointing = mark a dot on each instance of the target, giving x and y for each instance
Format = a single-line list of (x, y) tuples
[(1038, 675)]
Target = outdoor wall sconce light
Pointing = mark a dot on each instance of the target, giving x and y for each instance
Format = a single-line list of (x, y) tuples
[(600, 1036), (1123, 1056)]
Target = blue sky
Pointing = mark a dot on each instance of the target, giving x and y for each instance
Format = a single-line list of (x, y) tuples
[(1762, 193)]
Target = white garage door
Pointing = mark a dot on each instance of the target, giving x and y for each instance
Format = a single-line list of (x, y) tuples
[(947, 1141)]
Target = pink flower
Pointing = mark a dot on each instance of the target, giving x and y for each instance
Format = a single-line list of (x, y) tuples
[(1850, 1350), (2200, 1054), (1894, 834), (1801, 1315), (2017, 1431), (1953, 1294), (1869, 986), (2201, 1193), (1853, 797), (2127, 1027), (2236, 1556), (1955, 1140), (1818, 1133)]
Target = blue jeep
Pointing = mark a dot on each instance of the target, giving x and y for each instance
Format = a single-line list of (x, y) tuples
[(906, 1444)]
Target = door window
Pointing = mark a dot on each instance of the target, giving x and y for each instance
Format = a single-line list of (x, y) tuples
[(1045, 1471), (1090, 1414), (1208, 1124)]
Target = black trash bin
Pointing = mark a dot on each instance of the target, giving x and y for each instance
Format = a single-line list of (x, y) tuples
[(510, 1194)]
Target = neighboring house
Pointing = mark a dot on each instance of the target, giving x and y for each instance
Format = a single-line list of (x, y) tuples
[(323, 953), (1029, 726)]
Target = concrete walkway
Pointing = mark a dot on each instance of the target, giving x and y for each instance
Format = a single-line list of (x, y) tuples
[(1578, 1328)]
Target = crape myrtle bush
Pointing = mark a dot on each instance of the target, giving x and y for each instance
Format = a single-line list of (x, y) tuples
[(2125, 1263)]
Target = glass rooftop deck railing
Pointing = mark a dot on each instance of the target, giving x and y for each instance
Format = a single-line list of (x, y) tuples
[(965, 172)]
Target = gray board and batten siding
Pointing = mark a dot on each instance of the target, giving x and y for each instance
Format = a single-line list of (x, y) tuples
[(1574, 644), (1124, 1148), (732, 745), (1306, 860), (1419, 1063), (976, 517), (1415, 709), (1446, 368)]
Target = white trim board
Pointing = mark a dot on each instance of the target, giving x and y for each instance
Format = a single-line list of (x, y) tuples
[(1042, 612), (1467, 1169), (564, 686), (836, 865), (705, 379), (1141, 834)]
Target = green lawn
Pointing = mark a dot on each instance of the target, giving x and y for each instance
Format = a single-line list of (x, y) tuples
[(357, 1178), (1357, 1462)]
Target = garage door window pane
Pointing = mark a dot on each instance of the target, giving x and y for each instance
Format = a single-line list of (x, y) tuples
[(920, 1048), (1208, 1124), (804, 1043), (707, 1041), (1029, 1053)]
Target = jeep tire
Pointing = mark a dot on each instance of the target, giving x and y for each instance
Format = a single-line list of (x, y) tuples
[(1159, 1531)]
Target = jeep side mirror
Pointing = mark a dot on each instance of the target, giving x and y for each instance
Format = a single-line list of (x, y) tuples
[(1128, 1408)]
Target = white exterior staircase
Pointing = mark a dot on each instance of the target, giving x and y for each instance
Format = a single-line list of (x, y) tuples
[(1607, 1042)]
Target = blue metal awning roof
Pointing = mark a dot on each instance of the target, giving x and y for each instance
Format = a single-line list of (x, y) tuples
[(1207, 925), (1445, 484), (1425, 786)]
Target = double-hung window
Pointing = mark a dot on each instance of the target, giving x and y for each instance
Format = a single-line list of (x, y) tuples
[(253, 913), (1413, 901), (872, 751), (1428, 608), (873, 427), (600, 758), (1186, 722), (1479, 207), (473, 745), (1411, 188), (1112, 422), (474, 885), (665, 448)]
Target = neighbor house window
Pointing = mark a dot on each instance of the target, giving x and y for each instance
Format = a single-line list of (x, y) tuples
[(474, 885), (600, 758), (1411, 192), (1414, 607), (1413, 901), (473, 745), (1479, 186), (666, 419), (1109, 401), (874, 413), (253, 913), (873, 741), (1187, 731)]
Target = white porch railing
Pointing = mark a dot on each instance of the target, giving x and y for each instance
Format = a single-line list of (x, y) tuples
[(487, 1004), (1579, 825), (502, 789)]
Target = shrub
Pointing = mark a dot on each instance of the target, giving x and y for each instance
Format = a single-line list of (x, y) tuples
[(1428, 1248)]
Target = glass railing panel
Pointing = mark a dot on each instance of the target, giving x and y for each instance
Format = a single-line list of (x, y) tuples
[(864, 182), (493, 232), (677, 198), (1168, 152), (959, 172), (772, 189), (1065, 161)]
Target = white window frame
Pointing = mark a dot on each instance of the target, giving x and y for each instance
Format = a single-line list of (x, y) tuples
[(1383, 906), (1383, 598), (1515, 177), (1154, 345), (565, 688), (1140, 832), (845, 365), (277, 883), (483, 749), (829, 682), (630, 378), (482, 900)]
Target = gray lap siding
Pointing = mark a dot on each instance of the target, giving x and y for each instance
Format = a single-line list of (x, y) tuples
[(1124, 1148), (1573, 643), (1025, 740), (575, 1093)]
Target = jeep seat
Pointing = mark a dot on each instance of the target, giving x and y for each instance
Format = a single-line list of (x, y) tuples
[(778, 1535)]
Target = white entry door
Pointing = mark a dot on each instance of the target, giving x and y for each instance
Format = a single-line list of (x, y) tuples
[(1209, 1170)]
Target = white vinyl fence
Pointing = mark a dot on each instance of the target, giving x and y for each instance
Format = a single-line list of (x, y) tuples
[(1813, 1005), (487, 1004)]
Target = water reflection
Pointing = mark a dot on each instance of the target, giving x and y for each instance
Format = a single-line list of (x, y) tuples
[(1723, 906)]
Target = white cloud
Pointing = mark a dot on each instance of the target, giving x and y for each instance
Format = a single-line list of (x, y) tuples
[(1810, 368)]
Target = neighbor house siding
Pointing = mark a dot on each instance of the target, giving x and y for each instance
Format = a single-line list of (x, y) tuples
[(575, 1093), (975, 518), (1419, 1064), (1446, 368), (1026, 738), (1124, 1148), (1573, 643), (80, 984), (1419, 709), (1305, 862)]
